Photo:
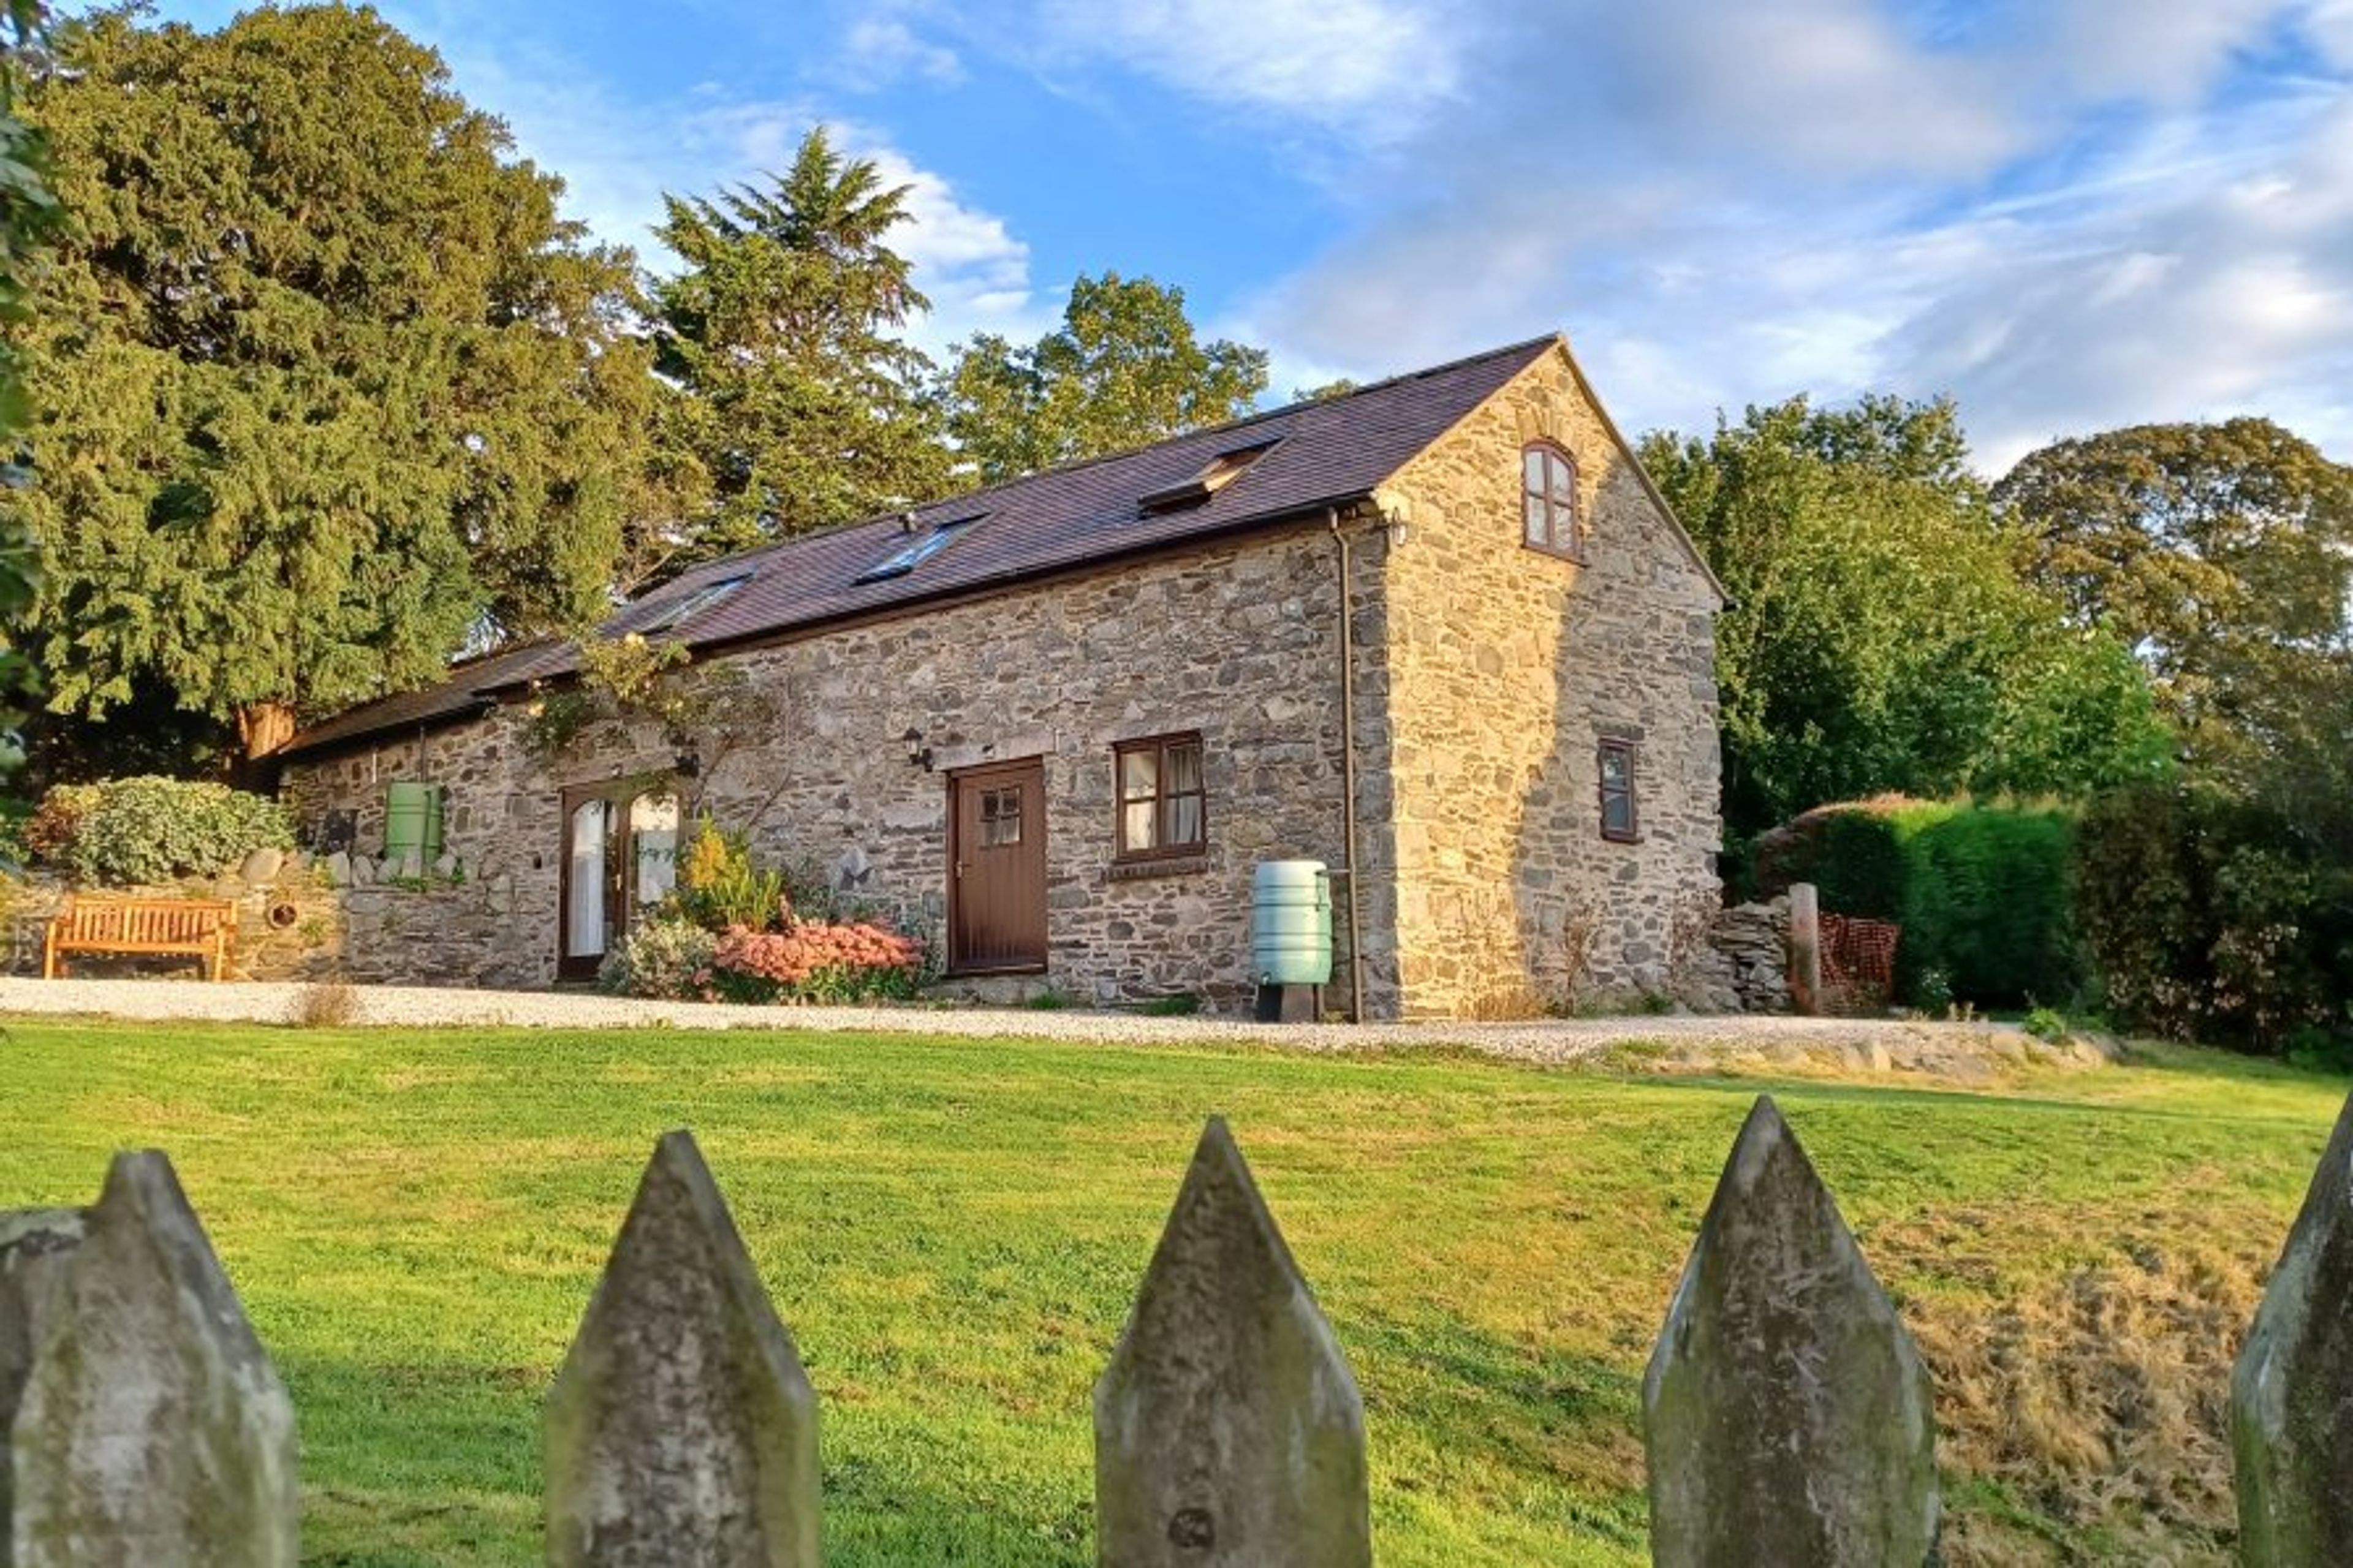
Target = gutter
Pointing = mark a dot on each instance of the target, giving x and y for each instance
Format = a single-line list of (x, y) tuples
[(1349, 772)]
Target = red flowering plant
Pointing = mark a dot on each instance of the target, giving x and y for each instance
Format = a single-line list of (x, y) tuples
[(815, 960)]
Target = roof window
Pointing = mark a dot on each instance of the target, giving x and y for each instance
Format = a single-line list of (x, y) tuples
[(686, 607), (1207, 480), (921, 547)]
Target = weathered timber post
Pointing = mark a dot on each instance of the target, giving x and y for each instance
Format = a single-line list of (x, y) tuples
[(1228, 1432), (34, 1245), (1785, 1413), (681, 1428), (151, 1429), (1805, 949), (2292, 1392)]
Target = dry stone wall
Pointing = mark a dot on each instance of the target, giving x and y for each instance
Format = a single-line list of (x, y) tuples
[(1507, 667)]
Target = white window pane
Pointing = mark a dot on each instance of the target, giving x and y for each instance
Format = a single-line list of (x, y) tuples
[(1534, 519), (1138, 818), (1183, 819), (1139, 774), (1532, 470), (653, 838)]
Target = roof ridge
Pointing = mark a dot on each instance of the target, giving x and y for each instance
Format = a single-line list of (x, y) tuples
[(965, 498)]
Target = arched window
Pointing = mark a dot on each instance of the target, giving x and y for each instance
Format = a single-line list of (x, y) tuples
[(1548, 502)]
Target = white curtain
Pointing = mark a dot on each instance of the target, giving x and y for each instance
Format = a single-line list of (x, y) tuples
[(584, 917), (653, 838)]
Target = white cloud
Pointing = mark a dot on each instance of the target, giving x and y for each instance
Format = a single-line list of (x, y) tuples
[(879, 52), (2069, 225), (1371, 65)]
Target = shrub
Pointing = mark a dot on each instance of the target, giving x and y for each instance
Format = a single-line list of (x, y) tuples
[(152, 829), (719, 888), (1983, 892), (2213, 919), (665, 959), (2047, 1025), (812, 961)]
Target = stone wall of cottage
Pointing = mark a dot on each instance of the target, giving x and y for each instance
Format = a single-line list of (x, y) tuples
[(1506, 668), (1240, 643)]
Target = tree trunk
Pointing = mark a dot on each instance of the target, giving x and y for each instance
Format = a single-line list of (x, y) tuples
[(265, 727)]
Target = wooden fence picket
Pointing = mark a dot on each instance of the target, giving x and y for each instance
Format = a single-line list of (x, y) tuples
[(150, 1429), (1229, 1431), (1786, 1411), (681, 1428), (2292, 1392)]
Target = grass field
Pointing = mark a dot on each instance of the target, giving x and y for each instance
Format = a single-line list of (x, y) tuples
[(953, 1230)]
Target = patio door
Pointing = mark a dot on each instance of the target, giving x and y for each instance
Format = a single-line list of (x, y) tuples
[(620, 858), (996, 869)]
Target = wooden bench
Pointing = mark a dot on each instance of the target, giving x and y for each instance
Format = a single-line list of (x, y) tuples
[(202, 928)]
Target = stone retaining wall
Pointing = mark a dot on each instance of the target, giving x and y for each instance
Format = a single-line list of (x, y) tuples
[(302, 919)]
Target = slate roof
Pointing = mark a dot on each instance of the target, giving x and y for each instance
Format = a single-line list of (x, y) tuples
[(1325, 453)]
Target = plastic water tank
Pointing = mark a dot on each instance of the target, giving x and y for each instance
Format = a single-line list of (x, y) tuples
[(1291, 923), (412, 823)]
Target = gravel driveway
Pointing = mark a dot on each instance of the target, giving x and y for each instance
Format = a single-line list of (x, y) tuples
[(1664, 1041)]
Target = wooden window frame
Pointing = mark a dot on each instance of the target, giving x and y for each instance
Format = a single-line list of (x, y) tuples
[(1124, 854), (1619, 746), (1562, 543)]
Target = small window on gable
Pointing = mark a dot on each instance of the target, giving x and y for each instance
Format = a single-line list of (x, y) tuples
[(689, 606), (1206, 480), (1162, 803), (1617, 820), (917, 550), (1548, 502)]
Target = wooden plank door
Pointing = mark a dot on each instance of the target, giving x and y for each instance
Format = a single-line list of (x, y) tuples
[(997, 869)]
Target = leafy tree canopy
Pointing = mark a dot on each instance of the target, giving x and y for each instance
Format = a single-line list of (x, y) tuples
[(2224, 554), (1123, 369), (1880, 638), (30, 216), (801, 407), (325, 384)]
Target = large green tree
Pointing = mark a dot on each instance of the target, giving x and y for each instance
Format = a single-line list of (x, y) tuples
[(29, 218), (1880, 638), (2223, 552), (325, 386), (800, 406), (1124, 369)]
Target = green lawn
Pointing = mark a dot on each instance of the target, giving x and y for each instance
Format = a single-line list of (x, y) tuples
[(953, 1229)]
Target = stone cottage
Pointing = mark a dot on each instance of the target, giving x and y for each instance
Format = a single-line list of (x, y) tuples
[(1441, 633)]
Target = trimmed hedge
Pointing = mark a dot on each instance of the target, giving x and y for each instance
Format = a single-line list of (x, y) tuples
[(151, 830), (2218, 920), (1984, 894)]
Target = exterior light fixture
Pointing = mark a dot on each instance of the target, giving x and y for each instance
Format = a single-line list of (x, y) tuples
[(918, 754)]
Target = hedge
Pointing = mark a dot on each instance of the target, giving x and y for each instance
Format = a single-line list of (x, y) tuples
[(1984, 892), (2218, 920)]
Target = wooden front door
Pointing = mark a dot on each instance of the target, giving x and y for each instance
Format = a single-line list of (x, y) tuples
[(997, 869)]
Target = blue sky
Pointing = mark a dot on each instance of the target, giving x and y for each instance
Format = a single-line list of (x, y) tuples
[(2068, 214)]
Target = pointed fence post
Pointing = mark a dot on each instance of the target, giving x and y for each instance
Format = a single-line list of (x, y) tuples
[(35, 1247), (1786, 1411), (151, 1429), (2292, 1392), (1228, 1432), (681, 1428)]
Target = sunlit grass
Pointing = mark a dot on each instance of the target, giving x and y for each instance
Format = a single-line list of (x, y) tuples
[(953, 1230)]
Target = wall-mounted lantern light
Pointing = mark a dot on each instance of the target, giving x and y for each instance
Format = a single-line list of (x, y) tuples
[(688, 764), (918, 754)]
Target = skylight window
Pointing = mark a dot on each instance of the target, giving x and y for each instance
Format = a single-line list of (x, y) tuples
[(1207, 480), (689, 606), (918, 549)]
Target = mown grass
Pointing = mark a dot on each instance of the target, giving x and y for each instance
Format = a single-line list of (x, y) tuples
[(953, 1229)]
